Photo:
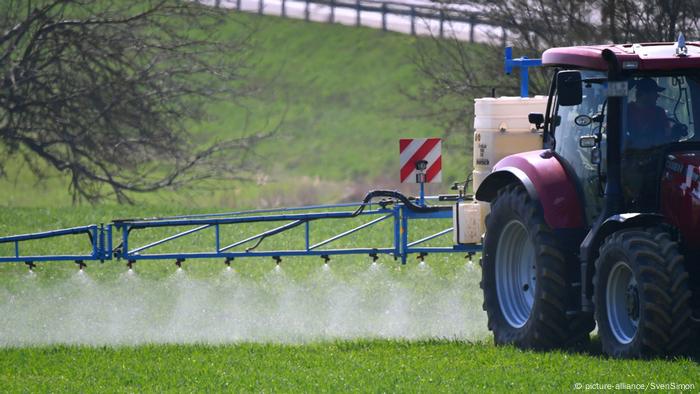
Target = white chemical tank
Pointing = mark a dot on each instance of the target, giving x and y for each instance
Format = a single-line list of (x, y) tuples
[(501, 128)]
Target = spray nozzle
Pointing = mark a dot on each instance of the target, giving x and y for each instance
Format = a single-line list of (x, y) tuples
[(469, 256)]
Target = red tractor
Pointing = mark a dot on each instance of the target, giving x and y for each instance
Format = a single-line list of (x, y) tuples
[(603, 224)]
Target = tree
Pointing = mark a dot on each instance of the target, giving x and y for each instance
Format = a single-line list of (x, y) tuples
[(455, 74), (103, 90), (542, 24), (659, 20)]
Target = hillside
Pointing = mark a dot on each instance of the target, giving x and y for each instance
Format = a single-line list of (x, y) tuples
[(342, 91)]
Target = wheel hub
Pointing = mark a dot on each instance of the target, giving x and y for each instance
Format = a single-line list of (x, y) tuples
[(516, 273), (632, 302), (622, 303)]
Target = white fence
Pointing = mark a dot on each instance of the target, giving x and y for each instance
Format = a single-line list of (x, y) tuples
[(414, 17)]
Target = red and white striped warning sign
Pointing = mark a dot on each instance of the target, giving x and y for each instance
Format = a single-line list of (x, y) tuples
[(413, 150)]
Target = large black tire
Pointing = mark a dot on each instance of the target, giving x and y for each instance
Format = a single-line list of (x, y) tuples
[(544, 324), (641, 295)]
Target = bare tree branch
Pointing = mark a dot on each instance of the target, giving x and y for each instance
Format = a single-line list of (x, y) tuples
[(101, 91)]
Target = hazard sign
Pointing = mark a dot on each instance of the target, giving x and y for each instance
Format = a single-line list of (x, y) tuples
[(421, 155)]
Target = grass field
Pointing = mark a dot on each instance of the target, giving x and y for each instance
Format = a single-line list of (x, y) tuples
[(291, 330), (359, 366)]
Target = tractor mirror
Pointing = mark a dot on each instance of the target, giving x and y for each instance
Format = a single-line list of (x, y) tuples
[(535, 118), (569, 89)]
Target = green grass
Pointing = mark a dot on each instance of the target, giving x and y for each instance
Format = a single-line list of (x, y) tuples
[(328, 366), (343, 91), (363, 366)]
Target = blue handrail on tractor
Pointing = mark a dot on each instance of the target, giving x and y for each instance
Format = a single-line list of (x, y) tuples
[(523, 63)]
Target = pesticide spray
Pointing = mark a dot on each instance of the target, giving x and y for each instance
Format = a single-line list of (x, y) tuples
[(230, 308)]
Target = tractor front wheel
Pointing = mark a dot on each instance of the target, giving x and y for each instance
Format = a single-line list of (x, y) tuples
[(524, 277)]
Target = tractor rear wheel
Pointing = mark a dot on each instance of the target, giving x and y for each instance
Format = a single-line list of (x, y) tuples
[(524, 277), (641, 295)]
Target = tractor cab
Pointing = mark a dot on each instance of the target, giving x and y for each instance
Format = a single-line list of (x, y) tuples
[(655, 95), (658, 116)]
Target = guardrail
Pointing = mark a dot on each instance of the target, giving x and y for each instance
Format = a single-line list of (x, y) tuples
[(441, 17)]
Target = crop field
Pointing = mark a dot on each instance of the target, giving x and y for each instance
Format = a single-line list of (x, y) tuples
[(303, 326), (357, 366), (348, 326)]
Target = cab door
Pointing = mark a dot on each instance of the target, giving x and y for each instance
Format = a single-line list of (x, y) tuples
[(579, 139)]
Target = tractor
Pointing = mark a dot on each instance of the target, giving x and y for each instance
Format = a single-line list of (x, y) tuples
[(602, 225)]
